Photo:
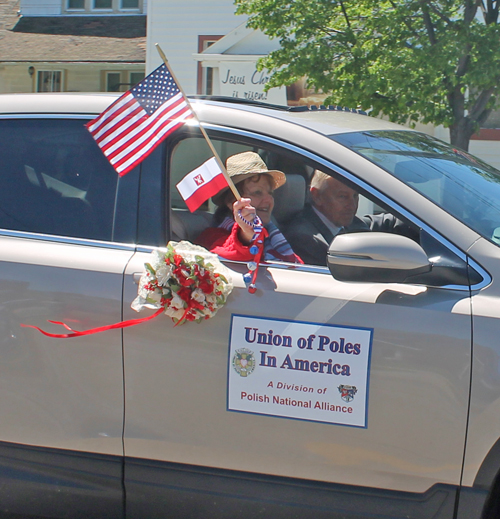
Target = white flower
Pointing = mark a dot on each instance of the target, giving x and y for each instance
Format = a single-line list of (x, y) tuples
[(155, 296), (142, 291), (211, 298), (173, 312), (176, 302), (198, 295), (163, 274), (157, 258)]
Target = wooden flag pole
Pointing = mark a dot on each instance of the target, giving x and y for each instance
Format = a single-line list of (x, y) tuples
[(207, 138)]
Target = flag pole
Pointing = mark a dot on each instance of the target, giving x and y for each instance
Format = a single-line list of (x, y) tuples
[(207, 138)]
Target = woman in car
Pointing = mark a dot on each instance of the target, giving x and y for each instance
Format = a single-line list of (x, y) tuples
[(232, 235)]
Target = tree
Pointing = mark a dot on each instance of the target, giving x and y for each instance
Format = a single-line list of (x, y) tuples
[(434, 61)]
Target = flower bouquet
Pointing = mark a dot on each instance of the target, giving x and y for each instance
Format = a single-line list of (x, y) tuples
[(188, 281)]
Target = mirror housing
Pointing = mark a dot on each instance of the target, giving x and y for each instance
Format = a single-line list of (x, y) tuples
[(376, 257)]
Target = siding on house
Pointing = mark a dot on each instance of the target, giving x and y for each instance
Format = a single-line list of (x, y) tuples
[(176, 27), (41, 7)]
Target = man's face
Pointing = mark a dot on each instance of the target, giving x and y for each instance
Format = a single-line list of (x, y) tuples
[(336, 201)]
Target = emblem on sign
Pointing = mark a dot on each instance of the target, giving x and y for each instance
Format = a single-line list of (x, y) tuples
[(347, 392), (243, 362)]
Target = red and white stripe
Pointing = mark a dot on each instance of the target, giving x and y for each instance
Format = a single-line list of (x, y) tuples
[(127, 134), (202, 183)]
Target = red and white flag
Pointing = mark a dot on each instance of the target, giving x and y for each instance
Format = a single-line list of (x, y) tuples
[(202, 183), (131, 128)]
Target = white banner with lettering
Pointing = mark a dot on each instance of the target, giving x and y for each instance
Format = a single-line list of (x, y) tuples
[(244, 81), (306, 371)]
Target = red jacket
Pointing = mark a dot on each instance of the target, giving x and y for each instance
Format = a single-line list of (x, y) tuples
[(228, 245)]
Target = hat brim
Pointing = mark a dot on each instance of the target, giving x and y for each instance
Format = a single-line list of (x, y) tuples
[(278, 177)]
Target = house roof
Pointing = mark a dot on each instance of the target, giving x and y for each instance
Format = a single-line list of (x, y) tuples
[(70, 38)]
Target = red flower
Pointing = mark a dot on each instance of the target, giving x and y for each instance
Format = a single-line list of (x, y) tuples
[(206, 287), (195, 304), (184, 294)]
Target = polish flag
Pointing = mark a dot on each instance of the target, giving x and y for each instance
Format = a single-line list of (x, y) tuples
[(202, 183)]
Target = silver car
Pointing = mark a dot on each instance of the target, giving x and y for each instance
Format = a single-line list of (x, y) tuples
[(371, 384)]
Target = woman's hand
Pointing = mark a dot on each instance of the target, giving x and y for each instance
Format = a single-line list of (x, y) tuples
[(243, 210)]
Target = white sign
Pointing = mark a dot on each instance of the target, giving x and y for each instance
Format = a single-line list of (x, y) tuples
[(307, 371), (244, 81)]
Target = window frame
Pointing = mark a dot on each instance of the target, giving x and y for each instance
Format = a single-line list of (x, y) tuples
[(122, 8), (236, 135), (95, 8), (40, 72), (90, 7), (69, 8), (125, 82)]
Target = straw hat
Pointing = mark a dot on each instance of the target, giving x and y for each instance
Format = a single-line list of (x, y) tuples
[(244, 165)]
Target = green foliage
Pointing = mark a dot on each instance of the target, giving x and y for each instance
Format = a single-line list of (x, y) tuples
[(412, 60)]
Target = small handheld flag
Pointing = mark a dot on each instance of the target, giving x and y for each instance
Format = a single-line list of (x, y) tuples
[(202, 183), (131, 128)]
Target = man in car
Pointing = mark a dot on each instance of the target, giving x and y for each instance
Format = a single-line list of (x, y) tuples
[(332, 211)]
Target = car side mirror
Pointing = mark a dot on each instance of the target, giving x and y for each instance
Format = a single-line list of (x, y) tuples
[(376, 257)]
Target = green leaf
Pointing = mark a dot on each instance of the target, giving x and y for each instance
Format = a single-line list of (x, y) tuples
[(150, 269), (406, 59)]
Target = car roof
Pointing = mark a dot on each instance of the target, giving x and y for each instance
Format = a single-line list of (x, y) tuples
[(327, 121)]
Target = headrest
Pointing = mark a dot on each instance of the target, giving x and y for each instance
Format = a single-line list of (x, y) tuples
[(289, 199), (186, 225)]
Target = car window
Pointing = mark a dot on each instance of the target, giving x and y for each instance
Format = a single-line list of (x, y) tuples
[(191, 152), (462, 185), (308, 233), (54, 179), (291, 200)]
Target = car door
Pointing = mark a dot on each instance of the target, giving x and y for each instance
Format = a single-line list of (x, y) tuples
[(62, 258), (361, 387)]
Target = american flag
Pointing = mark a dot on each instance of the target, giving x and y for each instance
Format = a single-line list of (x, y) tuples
[(131, 128)]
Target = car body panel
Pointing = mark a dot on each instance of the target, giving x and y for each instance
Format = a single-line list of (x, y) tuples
[(176, 385), (485, 395), (59, 393)]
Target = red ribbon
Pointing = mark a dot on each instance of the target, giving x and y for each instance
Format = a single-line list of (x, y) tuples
[(74, 333)]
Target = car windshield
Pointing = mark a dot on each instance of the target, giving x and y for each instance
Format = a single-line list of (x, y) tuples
[(461, 184)]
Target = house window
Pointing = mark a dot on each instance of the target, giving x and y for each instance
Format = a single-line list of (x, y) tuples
[(76, 4), (49, 81), (103, 4), (135, 77), (90, 6), (113, 81), (122, 81)]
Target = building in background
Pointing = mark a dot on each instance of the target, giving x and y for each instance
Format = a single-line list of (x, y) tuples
[(71, 45), (211, 51)]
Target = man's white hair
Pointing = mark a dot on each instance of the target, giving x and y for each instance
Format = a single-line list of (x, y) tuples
[(319, 179)]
